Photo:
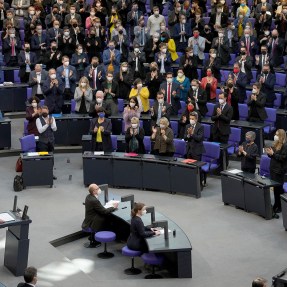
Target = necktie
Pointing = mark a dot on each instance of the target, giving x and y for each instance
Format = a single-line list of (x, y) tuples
[(95, 78), (40, 39), (169, 93), (247, 45), (263, 60), (12, 47), (159, 113), (142, 37), (221, 107), (137, 64)]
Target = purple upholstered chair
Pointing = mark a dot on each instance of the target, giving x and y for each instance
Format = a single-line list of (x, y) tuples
[(29, 93), (243, 111), (131, 253), (153, 260), (224, 75), (210, 108), (16, 77), (211, 157), (280, 79), (151, 102), (25, 133), (234, 139), (105, 237), (285, 186), (147, 144), (183, 106), (180, 147), (28, 143), (207, 129), (277, 102), (114, 142), (264, 169), (42, 103), (121, 105), (174, 127), (73, 105), (271, 120)]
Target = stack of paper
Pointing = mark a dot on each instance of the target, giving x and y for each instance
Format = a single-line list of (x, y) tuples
[(111, 203), (6, 217)]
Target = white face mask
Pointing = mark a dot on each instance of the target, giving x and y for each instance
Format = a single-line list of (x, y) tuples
[(132, 105), (276, 138), (32, 12), (254, 91), (66, 34), (99, 191), (221, 101), (67, 63), (180, 75), (193, 88), (213, 55), (99, 100), (178, 9), (80, 51), (156, 13), (92, 13), (246, 35), (144, 212), (266, 33), (34, 105), (183, 21), (160, 101), (164, 51), (169, 80), (220, 35), (12, 35), (53, 76), (134, 126), (192, 122), (162, 27), (136, 50), (139, 86), (162, 126), (124, 69), (83, 84), (110, 79)]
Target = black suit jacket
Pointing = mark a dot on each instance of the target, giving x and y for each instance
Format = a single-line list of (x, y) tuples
[(258, 105), (267, 88), (95, 213), (194, 144), (247, 66), (222, 123), (276, 53), (202, 100), (154, 115), (224, 19), (175, 100), (222, 50), (22, 64), (99, 77)]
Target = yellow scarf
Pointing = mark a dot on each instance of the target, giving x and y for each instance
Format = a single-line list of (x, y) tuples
[(180, 80), (112, 21)]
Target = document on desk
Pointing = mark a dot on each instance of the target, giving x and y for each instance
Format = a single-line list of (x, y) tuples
[(99, 152), (6, 217), (162, 231), (32, 154), (234, 171), (111, 203)]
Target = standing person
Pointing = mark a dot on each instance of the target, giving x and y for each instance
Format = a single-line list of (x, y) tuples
[(163, 139), (138, 231), (198, 44), (101, 130), (46, 126), (278, 165), (248, 151), (83, 96), (142, 95), (131, 111), (184, 84), (95, 213), (111, 93), (222, 115), (124, 78), (153, 80), (194, 136), (134, 137), (37, 79), (209, 84), (30, 277), (32, 113)]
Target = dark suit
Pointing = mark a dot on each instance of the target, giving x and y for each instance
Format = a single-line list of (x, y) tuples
[(252, 49), (68, 19), (34, 84), (247, 66), (54, 96), (80, 36), (67, 46), (166, 114), (256, 108), (180, 46), (99, 78), (262, 60), (202, 100), (53, 62), (105, 106), (149, 53), (22, 64), (132, 21), (124, 45), (7, 50), (215, 68), (194, 145), (240, 83), (267, 88), (221, 127), (51, 33), (72, 78), (276, 52), (80, 67), (222, 49), (139, 137), (125, 84), (132, 62), (175, 100), (106, 134), (49, 19), (113, 101), (35, 45), (95, 213), (167, 62), (224, 19)]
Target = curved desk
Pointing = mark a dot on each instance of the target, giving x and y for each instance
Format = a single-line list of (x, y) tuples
[(143, 172), (176, 249)]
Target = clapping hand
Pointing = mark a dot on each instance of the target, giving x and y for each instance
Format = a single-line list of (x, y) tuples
[(154, 130), (115, 204), (162, 131), (218, 111), (240, 149), (95, 129), (102, 128), (269, 150)]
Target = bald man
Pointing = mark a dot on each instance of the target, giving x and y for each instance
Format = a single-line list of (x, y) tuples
[(99, 102), (96, 213)]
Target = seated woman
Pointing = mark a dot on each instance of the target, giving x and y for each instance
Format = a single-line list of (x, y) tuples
[(130, 111), (101, 129), (248, 152), (163, 139), (138, 231), (135, 137), (194, 136), (83, 96), (32, 113), (142, 94)]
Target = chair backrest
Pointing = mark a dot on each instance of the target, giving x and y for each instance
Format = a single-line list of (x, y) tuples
[(183, 106), (207, 129), (280, 79), (277, 102), (180, 147), (16, 77), (243, 111), (210, 108), (25, 133), (212, 152), (42, 103), (121, 105), (151, 102), (114, 142), (254, 74), (264, 165), (271, 116), (147, 144), (232, 60), (224, 75), (235, 136), (28, 143), (73, 105), (174, 127), (29, 93)]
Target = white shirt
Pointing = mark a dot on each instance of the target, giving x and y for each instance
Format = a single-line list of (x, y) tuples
[(218, 19), (41, 128), (153, 23), (39, 90)]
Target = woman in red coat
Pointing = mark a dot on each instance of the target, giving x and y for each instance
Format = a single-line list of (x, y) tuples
[(209, 84)]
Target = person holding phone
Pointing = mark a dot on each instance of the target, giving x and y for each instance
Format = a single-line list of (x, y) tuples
[(278, 164), (138, 231)]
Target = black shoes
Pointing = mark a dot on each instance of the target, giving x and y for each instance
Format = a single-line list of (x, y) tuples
[(277, 209), (54, 177)]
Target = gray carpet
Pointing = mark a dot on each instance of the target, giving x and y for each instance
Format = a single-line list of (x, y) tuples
[(230, 247)]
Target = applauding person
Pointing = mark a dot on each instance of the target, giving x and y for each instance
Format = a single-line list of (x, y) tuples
[(134, 137), (130, 111)]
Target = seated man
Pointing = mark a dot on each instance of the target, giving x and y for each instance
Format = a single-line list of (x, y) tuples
[(30, 277), (95, 214)]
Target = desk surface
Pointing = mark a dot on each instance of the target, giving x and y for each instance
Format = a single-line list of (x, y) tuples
[(5, 120), (14, 86), (26, 156), (144, 117), (18, 220), (234, 123), (254, 178), (282, 112), (71, 116)]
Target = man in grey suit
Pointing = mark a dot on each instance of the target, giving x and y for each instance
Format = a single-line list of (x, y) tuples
[(198, 44), (36, 80), (72, 15)]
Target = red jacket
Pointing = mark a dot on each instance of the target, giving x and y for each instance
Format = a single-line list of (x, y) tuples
[(212, 88)]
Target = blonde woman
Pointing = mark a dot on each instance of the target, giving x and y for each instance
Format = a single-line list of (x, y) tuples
[(278, 165), (83, 96), (163, 138), (142, 95)]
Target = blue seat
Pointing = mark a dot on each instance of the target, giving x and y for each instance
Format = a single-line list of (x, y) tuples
[(114, 142), (89, 244), (180, 148), (285, 186), (121, 105), (210, 108), (28, 143), (232, 60), (277, 102), (199, 72), (280, 79), (234, 139), (131, 253), (206, 19), (73, 105), (16, 77), (211, 157), (271, 120), (224, 75), (207, 130), (153, 260), (243, 111), (264, 169), (151, 102), (174, 127), (25, 133), (147, 144), (254, 73), (183, 107), (105, 237), (29, 93)]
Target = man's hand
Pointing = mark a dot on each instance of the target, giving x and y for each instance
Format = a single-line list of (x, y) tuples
[(115, 204), (95, 129), (102, 128)]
